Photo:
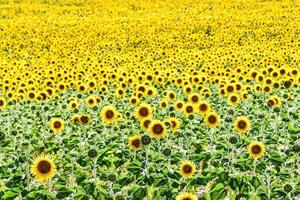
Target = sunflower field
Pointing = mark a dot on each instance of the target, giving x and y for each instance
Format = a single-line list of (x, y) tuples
[(149, 99)]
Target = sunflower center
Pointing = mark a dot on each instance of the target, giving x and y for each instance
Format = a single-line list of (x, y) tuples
[(44, 167), (256, 149), (187, 198), (187, 169), (136, 143), (109, 114), (144, 112), (229, 88), (157, 129), (57, 124), (1, 103), (212, 119), (31, 95), (133, 101), (242, 124), (163, 104), (203, 107), (179, 105), (84, 119), (189, 109), (195, 98), (91, 101), (146, 123), (233, 99), (73, 105)]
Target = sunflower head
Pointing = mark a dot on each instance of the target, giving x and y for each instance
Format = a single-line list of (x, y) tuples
[(212, 119), (179, 105), (91, 101), (203, 107), (109, 114), (187, 169), (256, 149), (186, 196), (2, 103), (135, 142), (189, 109), (143, 111), (43, 168), (157, 129), (57, 125), (242, 125)]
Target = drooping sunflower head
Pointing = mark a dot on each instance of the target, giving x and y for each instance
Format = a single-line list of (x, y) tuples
[(57, 125), (135, 142), (43, 168), (187, 169), (256, 149), (143, 111), (109, 114), (212, 119), (242, 125), (186, 196), (157, 129), (203, 107)]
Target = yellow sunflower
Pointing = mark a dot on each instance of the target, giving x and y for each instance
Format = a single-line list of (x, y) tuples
[(2, 103), (143, 111), (43, 168), (212, 119), (256, 149), (203, 107), (73, 105), (242, 125), (189, 109), (91, 101), (134, 142), (109, 114), (157, 129), (57, 125), (186, 196), (187, 169)]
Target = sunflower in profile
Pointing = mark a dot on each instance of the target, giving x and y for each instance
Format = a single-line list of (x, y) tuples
[(143, 111), (109, 114), (157, 129), (203, 107), (91, 101), (2, 103), (57, 125), (43, 168), (242, 125), (186, 196), (135, 142), (187, 169), (212, 119), (256, 149)]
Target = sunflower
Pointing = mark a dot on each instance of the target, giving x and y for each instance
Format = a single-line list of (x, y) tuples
[(120, 93), (212, 119), (186, 196), (133, 101), (91, 101), (134, 142), (43, 168), (174, 122), (179, 105), (73, 105), (256, 149), (242, 125), (57, 125), (84, 119), (157, 129), (194, 98), (203, 107), (145, 123), (75, 118), (233, 99), (108, 114), (187, 169), (189, 109), (143, 111), (163, 103), (2, 103)]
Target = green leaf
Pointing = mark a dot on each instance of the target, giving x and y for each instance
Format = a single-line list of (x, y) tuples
[(218, 192), (11, 194)]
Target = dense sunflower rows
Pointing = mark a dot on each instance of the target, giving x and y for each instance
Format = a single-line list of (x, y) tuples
[(147, 99)]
